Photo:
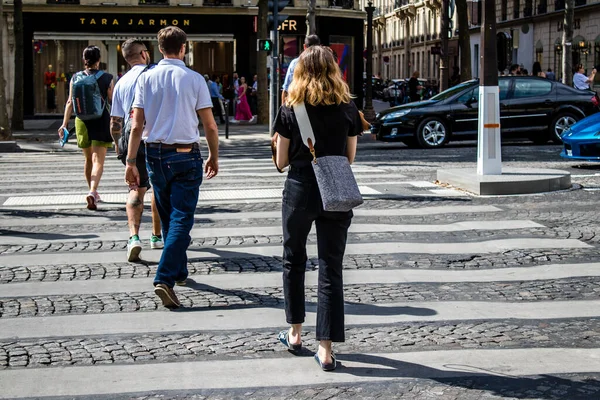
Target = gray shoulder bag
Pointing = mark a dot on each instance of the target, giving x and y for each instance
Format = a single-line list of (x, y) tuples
[(337, 185)]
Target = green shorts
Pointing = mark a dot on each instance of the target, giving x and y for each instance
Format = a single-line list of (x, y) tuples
[(83, 140)]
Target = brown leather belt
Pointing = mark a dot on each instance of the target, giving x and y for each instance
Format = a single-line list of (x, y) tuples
[(172, 146)]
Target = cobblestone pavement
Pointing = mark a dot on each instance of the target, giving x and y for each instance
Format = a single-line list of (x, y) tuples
[(65, 230), (260, 344), (507, 259), (563, 289)]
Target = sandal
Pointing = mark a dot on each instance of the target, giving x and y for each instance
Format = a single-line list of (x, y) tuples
[(326, 367), (284, 338)]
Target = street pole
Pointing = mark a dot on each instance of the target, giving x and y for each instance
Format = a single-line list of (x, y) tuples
[(445, 28), (274, 95), (489, 157), (368, 110)]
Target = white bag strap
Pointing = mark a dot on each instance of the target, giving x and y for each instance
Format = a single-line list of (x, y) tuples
[(306, 131)]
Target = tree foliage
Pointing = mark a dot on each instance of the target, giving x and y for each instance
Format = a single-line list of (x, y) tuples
[(464, 40)]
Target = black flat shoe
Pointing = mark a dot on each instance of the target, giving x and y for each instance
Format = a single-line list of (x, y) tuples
[(284, 338), (326, 367)]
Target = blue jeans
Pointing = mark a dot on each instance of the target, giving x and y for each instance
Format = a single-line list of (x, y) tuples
[(176, 177), (302, 205)]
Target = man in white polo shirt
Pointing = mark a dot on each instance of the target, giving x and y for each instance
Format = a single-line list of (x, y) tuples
[(170, 98)]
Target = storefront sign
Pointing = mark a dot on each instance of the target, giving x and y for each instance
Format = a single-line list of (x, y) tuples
[(134, 21)]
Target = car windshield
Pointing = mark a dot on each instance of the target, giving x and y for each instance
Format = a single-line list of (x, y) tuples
[(452, 91)]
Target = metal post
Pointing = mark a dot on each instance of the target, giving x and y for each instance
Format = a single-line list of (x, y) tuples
[(226, 106), (445, 32), (273, 99), (489, 157), (369, 111)]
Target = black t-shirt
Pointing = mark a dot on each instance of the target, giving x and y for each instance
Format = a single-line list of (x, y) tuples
[(331, 126), (99, 129), (413, 83)]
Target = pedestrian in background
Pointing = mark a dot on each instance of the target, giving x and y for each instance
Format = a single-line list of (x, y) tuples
[(550, 75), (170, 98), (580, 81), (311, 40), (414, 87), (137, 56), (336, 123), (215, 96), (93, 131), (253, 99), (242, 108)]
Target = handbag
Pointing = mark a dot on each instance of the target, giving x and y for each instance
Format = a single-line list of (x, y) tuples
[(337, 185)]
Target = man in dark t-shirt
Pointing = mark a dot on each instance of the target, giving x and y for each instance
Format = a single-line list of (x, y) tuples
[(414, 87)]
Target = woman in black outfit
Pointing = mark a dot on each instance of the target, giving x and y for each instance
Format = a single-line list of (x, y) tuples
[(93, 136), (336, 123)]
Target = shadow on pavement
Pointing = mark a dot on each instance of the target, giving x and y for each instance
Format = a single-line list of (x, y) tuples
[(503, 385)]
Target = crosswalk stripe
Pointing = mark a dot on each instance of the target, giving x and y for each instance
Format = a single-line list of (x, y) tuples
[(274, 279), (208, 232), (359, 212), (376, 248), (273, 317), (360, 368)]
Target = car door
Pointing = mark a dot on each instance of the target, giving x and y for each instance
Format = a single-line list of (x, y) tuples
[(530, 105), (465, 111)]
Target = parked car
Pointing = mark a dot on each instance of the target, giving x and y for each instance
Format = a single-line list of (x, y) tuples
[(531, 107), (582, 140)]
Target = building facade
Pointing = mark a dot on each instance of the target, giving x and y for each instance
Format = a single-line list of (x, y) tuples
[(406, 38), (532, 30), (406, 35), (221, 39)]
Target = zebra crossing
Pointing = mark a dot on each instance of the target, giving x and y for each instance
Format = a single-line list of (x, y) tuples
[(519, 316)]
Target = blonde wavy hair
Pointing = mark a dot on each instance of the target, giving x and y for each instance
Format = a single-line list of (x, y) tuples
[(317, 79)]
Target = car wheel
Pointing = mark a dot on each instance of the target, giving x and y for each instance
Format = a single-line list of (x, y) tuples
[(560, 124), (432, 133)]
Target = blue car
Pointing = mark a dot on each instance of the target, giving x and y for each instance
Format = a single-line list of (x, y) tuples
[(582, 140)]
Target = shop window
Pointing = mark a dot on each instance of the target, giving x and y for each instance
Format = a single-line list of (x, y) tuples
[(62, 1)]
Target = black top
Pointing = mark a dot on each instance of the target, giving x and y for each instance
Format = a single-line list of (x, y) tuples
[(331, 126), (413, 83), (99, 129)]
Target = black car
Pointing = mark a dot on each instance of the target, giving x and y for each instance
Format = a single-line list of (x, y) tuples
[(530, 107)]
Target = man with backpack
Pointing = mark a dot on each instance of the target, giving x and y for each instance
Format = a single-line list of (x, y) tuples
[(137, 56), (90, 93)]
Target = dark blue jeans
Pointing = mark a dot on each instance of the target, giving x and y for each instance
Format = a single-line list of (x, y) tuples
[(302, 206), (176, 177)]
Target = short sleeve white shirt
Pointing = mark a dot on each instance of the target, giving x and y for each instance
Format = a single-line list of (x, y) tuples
[(125, 91), (580, 81), (170, 95)]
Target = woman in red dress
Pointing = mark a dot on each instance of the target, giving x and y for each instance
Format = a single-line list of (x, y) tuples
[(242, 112)]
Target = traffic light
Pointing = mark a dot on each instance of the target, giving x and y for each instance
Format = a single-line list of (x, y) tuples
[(275, 7), (264, 45)]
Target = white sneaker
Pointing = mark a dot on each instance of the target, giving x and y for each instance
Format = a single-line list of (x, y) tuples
[(156, 242), (134, 248)]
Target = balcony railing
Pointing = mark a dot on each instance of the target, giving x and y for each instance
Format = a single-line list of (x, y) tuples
[(62, 1), (400, 3), (217, 3), (154, 2)]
